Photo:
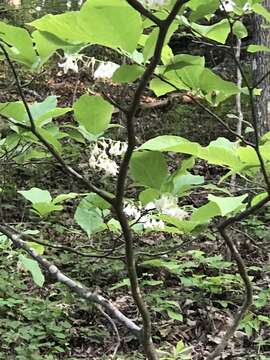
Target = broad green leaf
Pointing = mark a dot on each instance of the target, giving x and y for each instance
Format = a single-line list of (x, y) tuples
[(182, 183), (166, 55), (44, 47), (50, 138), (182, 60), (149, 195), (206, 212), (149, 168), (217, 32), (93, 200), (127, 73), (216, 88), (20, 44), (175, 315), (98, 22), (261, 10), (201, 8), (184, 226), (37, 247), (111, 23), (240, 30), (33, 267), (89, 219), (36, 195), (228, 204), (248, 155), (14, 110), (64, 197), (61, 25), (257, 48), (149, 48), (94, 113), (161, 88), (171, 143), (258, 198), (190, 76), (221, 152), (52, 114), (45, 208)]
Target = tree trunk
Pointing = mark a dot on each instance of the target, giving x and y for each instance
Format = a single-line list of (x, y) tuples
[(260, 66)]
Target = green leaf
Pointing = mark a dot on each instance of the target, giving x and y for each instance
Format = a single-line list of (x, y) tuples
[(174, 315), (206, 212), (45, 208), (259, 9), (216, 88), (90, 220), (148, 195), (104, 20), (51, 139), (149, 48), (228, 204), (64, 197), (171, 143), (217, 32), (127, 73), (33, 267), (36, 195), (258, 198), (96, 201), (149, 169), (240, 30), (182, 183), (20, 44), (94, 113), (98, 22), (88, 214), (257, 48), (182, 60), (37, 247)]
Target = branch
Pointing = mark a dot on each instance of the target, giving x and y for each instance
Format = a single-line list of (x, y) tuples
[(122, 176), (82, 291), (143, 11)]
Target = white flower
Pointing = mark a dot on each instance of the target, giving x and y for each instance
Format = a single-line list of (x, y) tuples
[(118, 148), (71, 63), (246, 7), (105, 70), (99, 158), (38, 8), (167, 205), (132, 211), (69, 4), (150, 223), (227, 5)]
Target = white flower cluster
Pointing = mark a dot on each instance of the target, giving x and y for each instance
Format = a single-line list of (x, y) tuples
[(102, 152), (154, 3), (145, 220), (229, 5), (166, 205), (71, 62), (105, 70)]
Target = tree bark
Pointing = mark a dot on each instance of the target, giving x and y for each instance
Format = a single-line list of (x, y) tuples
[(260, 66)]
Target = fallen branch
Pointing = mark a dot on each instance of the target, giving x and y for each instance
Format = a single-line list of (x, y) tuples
[(82, 291)]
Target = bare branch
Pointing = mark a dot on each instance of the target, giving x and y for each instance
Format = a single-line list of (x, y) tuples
[(143, 11), (82, 291)]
